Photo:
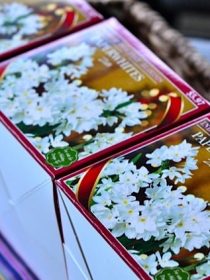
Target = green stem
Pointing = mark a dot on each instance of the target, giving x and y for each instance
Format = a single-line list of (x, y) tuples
[(193, 266), (135, 159), (11, 23), (124, 104), (108, 113), (164, 165), (80, 146)]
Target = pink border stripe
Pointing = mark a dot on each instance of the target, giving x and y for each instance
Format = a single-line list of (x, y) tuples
[(17, 264)]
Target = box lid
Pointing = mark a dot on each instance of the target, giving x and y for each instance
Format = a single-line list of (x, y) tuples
[(76, 100), (26, 24), (151, 202)]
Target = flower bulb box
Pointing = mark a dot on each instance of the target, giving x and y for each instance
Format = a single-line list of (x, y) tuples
[(65, 105), (27, 210), (26, 24), (143, 213), (84, 96)]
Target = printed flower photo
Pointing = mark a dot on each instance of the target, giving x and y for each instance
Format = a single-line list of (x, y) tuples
[(155, 201), (65, 97), (21, 23)]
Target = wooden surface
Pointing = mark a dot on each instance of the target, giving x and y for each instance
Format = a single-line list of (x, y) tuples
[(166, 42)]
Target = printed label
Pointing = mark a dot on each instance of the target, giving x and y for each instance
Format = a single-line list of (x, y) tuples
[(61, 157), (172, 274)]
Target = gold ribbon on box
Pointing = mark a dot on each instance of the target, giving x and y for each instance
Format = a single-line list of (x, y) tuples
[(68, 19), (174, 109), (88, 182)]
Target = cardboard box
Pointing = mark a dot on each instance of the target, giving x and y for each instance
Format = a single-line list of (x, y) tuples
[(144, 213), (66, 105), (27, 209), (75, 100), (26, 24)]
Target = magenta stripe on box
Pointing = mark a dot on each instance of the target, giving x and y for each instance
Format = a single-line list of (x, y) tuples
[(13, 266)]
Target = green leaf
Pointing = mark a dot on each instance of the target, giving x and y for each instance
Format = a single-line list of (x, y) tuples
[(115, 178), (69, 183), (125, 241), (136, 158), (36, 130), (143, 247), (124, 104), (164, 165)]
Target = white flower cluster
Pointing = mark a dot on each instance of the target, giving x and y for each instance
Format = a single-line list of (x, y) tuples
[(45, 143), (17, 21), (64, 103), (202, 270), (64, 56), (176, 154), (104, 140), (167, 215), (126, 111)]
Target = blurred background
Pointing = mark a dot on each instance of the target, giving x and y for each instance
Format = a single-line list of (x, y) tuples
[(178, 31), (190, 17)]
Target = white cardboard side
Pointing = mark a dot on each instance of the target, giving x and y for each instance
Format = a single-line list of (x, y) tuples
[(19, 169), (4, 196), (103, 261), (34, 255), (73, 268), (27, 213), (71, 239), (31, 228)]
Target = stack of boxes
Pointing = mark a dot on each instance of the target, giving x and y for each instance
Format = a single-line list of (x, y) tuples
[(98, 136)]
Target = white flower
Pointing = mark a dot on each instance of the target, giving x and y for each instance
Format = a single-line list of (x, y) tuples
[(155, 193), (202, 270), (133, 115), (143, 224), (144, 177), (171, 173), (104, 185), (119, 166), (158, 156), (130, 178), (17, 21), (165, 260), (118, 101), (105, 215), (104, 140), (74, 53), (12, 11), (66, 57), (173, 244), (128, 209), (42, 144), (149, 263), (30, 25), (123, 228), (179, 175), (57, 141), (114, 97), (190, 164), (103, 199), (187, 149)]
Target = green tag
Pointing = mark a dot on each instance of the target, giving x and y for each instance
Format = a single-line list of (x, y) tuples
[(172, 274), (61, 157)]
